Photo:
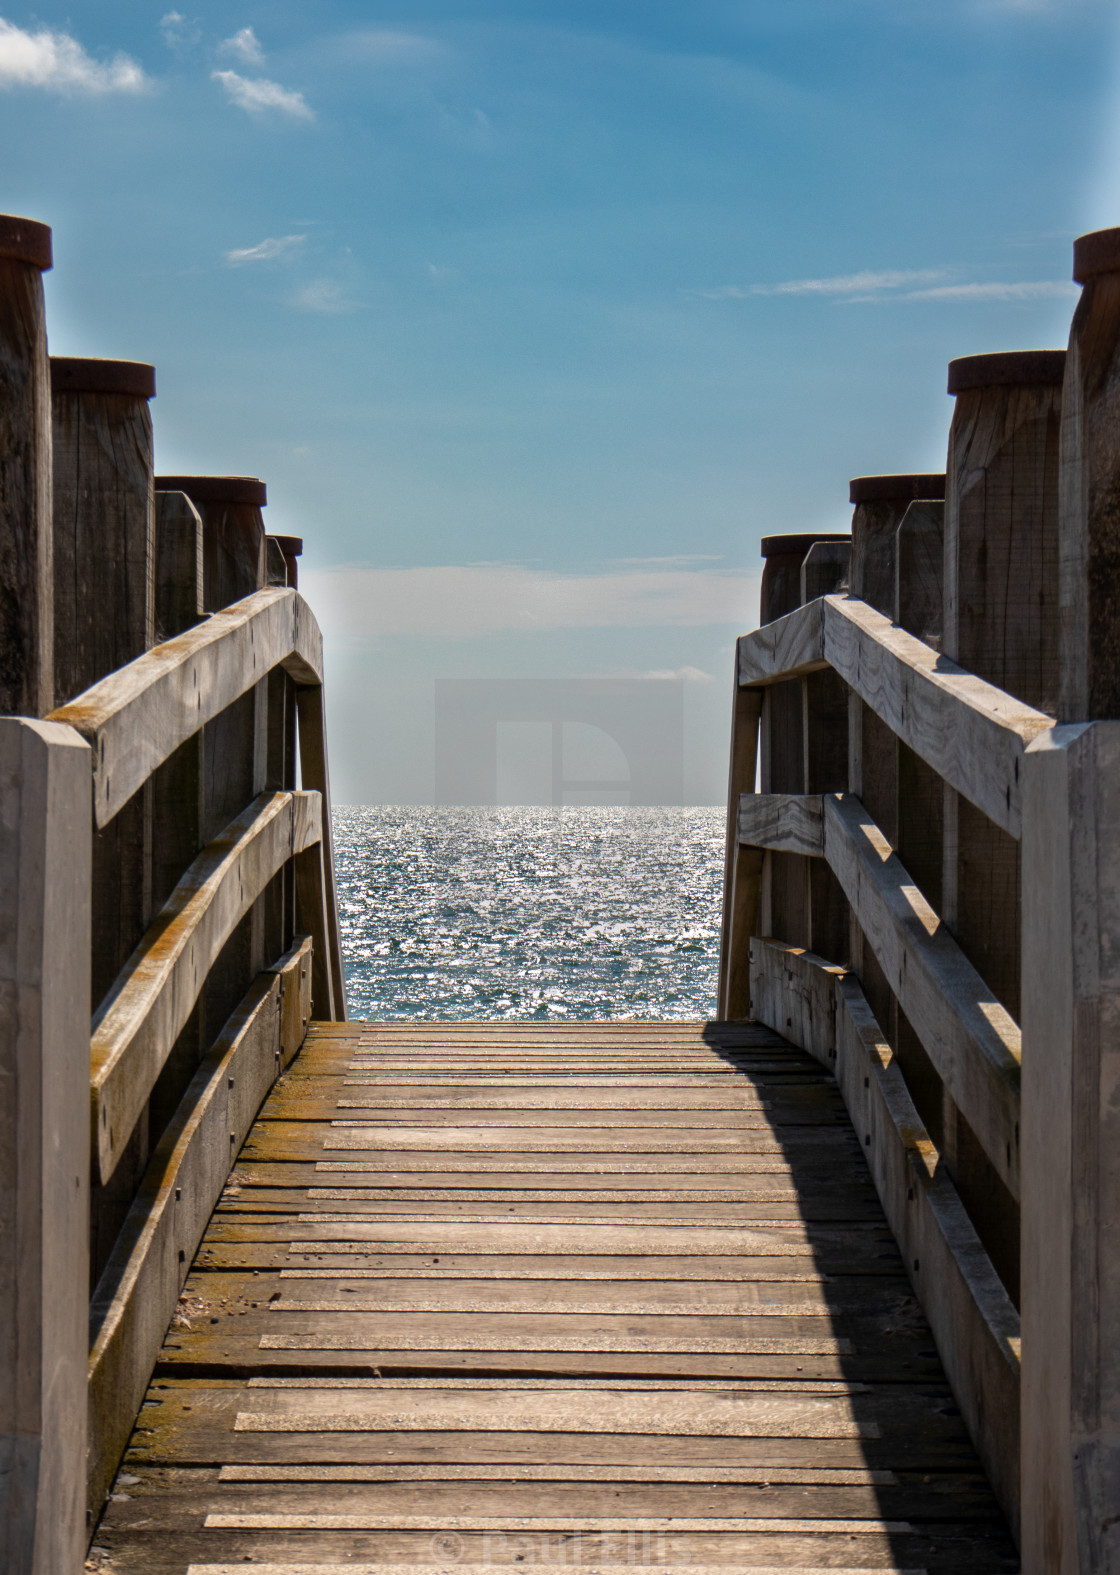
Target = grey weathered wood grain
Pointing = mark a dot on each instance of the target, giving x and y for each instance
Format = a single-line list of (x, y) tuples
[(138, 1024), (971, 733), (742, 870), (972, 1042), (788, 822), (135, 718), (44, 1142)]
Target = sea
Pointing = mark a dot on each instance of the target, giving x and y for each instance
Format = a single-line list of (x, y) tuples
[(529, 914)]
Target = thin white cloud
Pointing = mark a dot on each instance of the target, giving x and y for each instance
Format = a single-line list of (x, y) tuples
[(1027, 290), (179, 32), (258, 95), (841, 284), (462, 601), (245, 45), (898, 284), (265, 251), (324, 295), (58, 63)]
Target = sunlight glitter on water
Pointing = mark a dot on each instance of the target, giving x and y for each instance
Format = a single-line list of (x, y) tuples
[(600, 913)]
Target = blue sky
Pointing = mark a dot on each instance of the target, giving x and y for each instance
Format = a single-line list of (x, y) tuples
[(536, 318)]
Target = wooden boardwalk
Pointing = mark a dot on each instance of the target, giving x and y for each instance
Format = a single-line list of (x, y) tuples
[(609, 1294)]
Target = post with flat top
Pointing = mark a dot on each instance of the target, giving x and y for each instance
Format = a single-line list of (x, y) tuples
[(1001, 623), (880, 504), (26, 621), (824, 715), (1071, 986)]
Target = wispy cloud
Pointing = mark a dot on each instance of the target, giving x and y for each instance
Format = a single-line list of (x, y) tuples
[(1024, 290), (258, 95), (58, 63), (461, 601), (265, 251), (245, 45), (898, 284), (179, 32), (324, 295)]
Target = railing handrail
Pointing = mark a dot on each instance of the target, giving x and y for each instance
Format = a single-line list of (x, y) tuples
[(136, 717), (971, 733)]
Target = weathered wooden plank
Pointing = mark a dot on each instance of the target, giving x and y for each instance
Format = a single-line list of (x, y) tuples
[(786, 822), (44, 1139), (135, 718), (27, 632), (971, 733), (135, 1029)]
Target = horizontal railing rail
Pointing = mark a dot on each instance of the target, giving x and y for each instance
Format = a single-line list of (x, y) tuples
[(973, 1042), (136, 1027), (971, 733), (138, 716)]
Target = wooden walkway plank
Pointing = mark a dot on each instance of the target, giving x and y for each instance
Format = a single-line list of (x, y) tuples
[(611, 1295)]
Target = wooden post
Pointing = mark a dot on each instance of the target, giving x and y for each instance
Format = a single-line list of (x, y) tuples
[(104, 617), (1071, 986), (291, 548), (1001, 623), (104, 602), (1090, 478), (177, 807), (824, 710), (785, 876), (919, 556), (742, 867), (880, 503), (235, 745), (1070, 1144), (315, 777), (44, 1145), (281, 765), (26, 620)]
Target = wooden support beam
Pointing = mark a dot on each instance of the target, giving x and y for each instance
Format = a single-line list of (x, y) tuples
[(1001, 623), (1090, 476), (134, 719), (44, 1144), (742, 867), (1071, 1140), (104, 602), (138, 1024), (138, 1292), (971, 733), (312, 727), (785, 903), (973, 1322), (26, 622), (824, 713)]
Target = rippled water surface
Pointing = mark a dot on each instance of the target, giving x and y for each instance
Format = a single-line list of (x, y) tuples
[(530, 913)]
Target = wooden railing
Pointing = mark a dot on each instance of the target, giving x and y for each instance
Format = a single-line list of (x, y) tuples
[(924, 890), (168, 920)]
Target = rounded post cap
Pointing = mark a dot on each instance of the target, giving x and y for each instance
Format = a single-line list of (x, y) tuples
[(74, 374), (896, 489), (790, 546), (1097, 252), (290, 546), (216, 489), (1007, 369), (25, 240)]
